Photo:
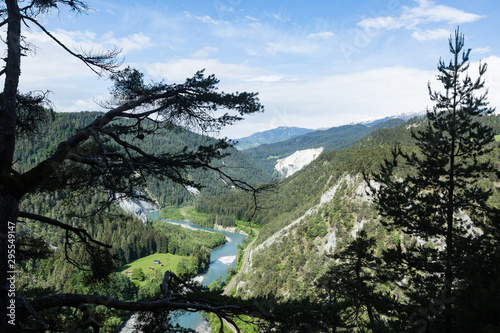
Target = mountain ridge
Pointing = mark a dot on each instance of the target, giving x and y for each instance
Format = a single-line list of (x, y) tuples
[(270, 136)]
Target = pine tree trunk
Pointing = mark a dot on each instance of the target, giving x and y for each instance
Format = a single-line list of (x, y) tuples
[(9, 202), (8, 100)]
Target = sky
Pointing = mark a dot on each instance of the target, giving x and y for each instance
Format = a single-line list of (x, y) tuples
[(314, 64)]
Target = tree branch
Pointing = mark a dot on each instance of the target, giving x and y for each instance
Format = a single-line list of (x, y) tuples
[(81, 233), (105, 61), (79, 300)]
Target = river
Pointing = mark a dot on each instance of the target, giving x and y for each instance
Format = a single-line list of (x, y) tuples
[(221, 258)]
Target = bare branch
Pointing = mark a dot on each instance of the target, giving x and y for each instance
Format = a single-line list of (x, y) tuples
[(85, 160), (106, 62), (78, 300)]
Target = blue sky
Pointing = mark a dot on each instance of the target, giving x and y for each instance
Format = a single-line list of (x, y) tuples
[(315, 64)]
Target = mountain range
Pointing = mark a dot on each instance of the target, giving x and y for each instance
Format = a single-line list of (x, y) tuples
[(335, 138)]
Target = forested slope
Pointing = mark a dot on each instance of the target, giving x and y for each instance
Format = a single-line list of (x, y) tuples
[(270, 136), (319, 217), (238, 165)]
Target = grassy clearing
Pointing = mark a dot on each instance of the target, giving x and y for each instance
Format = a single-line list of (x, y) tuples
[(168, 260), (497, 138), (187, 213)]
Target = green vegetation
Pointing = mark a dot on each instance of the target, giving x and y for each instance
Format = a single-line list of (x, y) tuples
[(168, 260), (185, 241), (171, 213), (446, 178)]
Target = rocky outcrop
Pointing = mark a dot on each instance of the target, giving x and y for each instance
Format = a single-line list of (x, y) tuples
[(138, 207), (289, 165)]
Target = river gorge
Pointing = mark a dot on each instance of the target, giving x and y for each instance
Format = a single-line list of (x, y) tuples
[(221, 258)]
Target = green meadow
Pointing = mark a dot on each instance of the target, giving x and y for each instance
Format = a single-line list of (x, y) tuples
[(168, 260)]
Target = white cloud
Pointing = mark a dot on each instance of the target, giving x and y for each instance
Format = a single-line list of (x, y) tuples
[(134, 42), (205, 52), (425, 12), (482, 50), (178, 71), (431, 34), (266, 78), (382, 22), (290, 47), (492, 78), (321, 35), (336, 100), (251, 18), (207, 19)]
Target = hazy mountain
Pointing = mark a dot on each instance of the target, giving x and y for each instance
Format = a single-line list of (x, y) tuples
[(275, 135)]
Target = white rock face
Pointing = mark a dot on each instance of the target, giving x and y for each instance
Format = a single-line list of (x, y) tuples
[(289, 165), (138, 207)]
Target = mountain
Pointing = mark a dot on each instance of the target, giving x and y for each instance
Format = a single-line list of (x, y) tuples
[(275, 135), (335, 138), (403, 116)]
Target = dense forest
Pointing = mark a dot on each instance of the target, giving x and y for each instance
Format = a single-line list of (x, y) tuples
[(30, 152)]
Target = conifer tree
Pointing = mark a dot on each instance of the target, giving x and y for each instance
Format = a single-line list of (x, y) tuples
[(437, 196)]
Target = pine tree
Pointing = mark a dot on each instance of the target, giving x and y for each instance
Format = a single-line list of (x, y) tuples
[(437, 195)]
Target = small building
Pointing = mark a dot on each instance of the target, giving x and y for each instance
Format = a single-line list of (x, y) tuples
[(128, 272), (161, 265), (157, 262), (151, 268)]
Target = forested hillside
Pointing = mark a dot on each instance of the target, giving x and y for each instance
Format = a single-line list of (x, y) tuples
[(321, 221), (238, 165), (334, 138)]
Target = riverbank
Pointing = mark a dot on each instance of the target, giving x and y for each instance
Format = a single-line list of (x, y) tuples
[(229, 229)]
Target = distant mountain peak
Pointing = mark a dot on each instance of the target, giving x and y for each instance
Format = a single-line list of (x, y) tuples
[(403, 116)]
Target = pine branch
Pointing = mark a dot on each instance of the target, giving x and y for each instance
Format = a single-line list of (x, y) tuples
[(80, 232)]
